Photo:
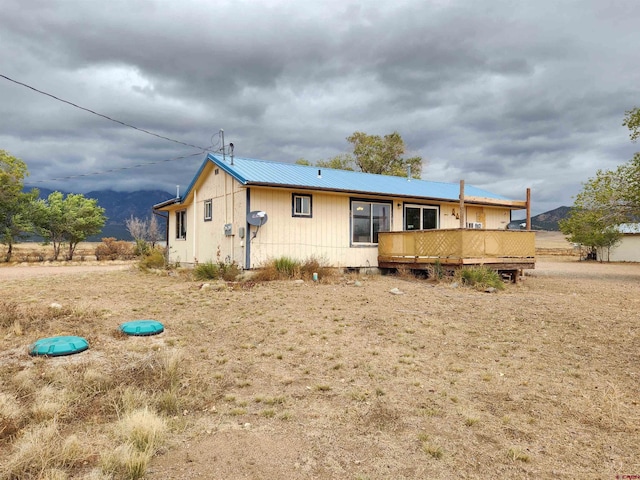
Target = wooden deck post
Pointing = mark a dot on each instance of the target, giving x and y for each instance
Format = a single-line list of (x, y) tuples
[(463, 213), (528, 209)]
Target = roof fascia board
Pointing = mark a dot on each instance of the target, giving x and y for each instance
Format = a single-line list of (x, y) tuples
[(227, 168), (196, 177)]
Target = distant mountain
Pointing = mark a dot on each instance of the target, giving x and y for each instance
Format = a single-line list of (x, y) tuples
[(120, 206), (547, 220)]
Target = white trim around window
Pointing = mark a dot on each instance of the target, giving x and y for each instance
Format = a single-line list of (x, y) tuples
[(301, 205), (208, 210)]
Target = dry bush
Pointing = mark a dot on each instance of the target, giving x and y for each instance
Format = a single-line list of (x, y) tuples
[(12, 415), (41, 448), (54, 474), (49, 402), (112, 249), (143, 429), (155, 258), (320, 266), (141, 432), (9, 313), (125, 462), (285, 268)]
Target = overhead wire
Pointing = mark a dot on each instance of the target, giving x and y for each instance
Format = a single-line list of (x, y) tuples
[(111, 170), (102, 115)]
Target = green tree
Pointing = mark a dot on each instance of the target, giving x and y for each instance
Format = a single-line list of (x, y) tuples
[(383, 155), (591, 229), (69, 220), (610, 198), (343, 161), (632, 122), (375, 154), (15, 205)]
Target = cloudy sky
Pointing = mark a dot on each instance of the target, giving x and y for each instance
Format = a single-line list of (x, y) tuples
[(504, 94)]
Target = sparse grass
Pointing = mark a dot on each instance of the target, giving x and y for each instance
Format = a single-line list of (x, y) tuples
[(126, 462), (480, 278), (286, 268), (429, 447), (516, 454), (40, 448), (216, 271), (12, 416), (470, 421), (143, 429), (349, 393)]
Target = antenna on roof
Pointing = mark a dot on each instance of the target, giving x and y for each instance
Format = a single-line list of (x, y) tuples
[(223, 148), (222, 141)]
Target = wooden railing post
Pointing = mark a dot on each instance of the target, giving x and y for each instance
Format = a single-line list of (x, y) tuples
[(463, 213), (528, 209)]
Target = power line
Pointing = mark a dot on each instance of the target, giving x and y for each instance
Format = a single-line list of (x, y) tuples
[(101, 115), (111, 170)]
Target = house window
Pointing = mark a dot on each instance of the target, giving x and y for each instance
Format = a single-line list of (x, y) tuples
[(369, 218), (301, 205), (420, 217), (208, 210), (181, 225)]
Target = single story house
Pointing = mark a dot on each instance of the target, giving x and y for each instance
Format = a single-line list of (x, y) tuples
[(628, 250), (248, 211)]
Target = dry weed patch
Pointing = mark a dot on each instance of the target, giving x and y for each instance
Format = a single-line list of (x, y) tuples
[(342, 378)]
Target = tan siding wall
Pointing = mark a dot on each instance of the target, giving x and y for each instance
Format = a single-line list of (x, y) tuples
[(491, 217), (627, 251), (179, 250), (325, 236)]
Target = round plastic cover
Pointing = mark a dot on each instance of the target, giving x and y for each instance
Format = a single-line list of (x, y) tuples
[(57, 346), (142, 327)]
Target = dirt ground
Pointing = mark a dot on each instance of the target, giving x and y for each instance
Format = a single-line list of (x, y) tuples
[(345, 379)]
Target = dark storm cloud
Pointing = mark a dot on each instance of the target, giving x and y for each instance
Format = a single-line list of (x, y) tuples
[(506, 95)]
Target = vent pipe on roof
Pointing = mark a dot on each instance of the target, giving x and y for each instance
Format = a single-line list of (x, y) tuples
[(409, 173), (231, 150), (222, 142), (319, 173), (177, 191)]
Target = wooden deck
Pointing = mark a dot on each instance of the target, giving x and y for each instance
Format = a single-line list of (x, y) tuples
[(502, 250)]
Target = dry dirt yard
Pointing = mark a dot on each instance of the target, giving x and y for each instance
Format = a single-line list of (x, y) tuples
[(341, 379)]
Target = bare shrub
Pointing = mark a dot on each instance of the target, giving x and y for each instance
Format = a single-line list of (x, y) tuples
[(155, 258), (112, 249)]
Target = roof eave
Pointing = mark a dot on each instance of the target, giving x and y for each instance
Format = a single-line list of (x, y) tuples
[(167, 203)]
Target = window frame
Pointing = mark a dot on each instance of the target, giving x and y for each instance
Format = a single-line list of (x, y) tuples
[(302, 197), (181, 224), (372, 232), (422, 207), (208, 210)]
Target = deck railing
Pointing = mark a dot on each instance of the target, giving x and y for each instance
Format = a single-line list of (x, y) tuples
[(457, 246)]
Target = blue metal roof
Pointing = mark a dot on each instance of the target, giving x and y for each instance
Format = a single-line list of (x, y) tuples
[(249, 171)]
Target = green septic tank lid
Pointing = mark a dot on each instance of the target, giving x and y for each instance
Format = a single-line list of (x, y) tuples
[(58, 346), (142, 327)]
